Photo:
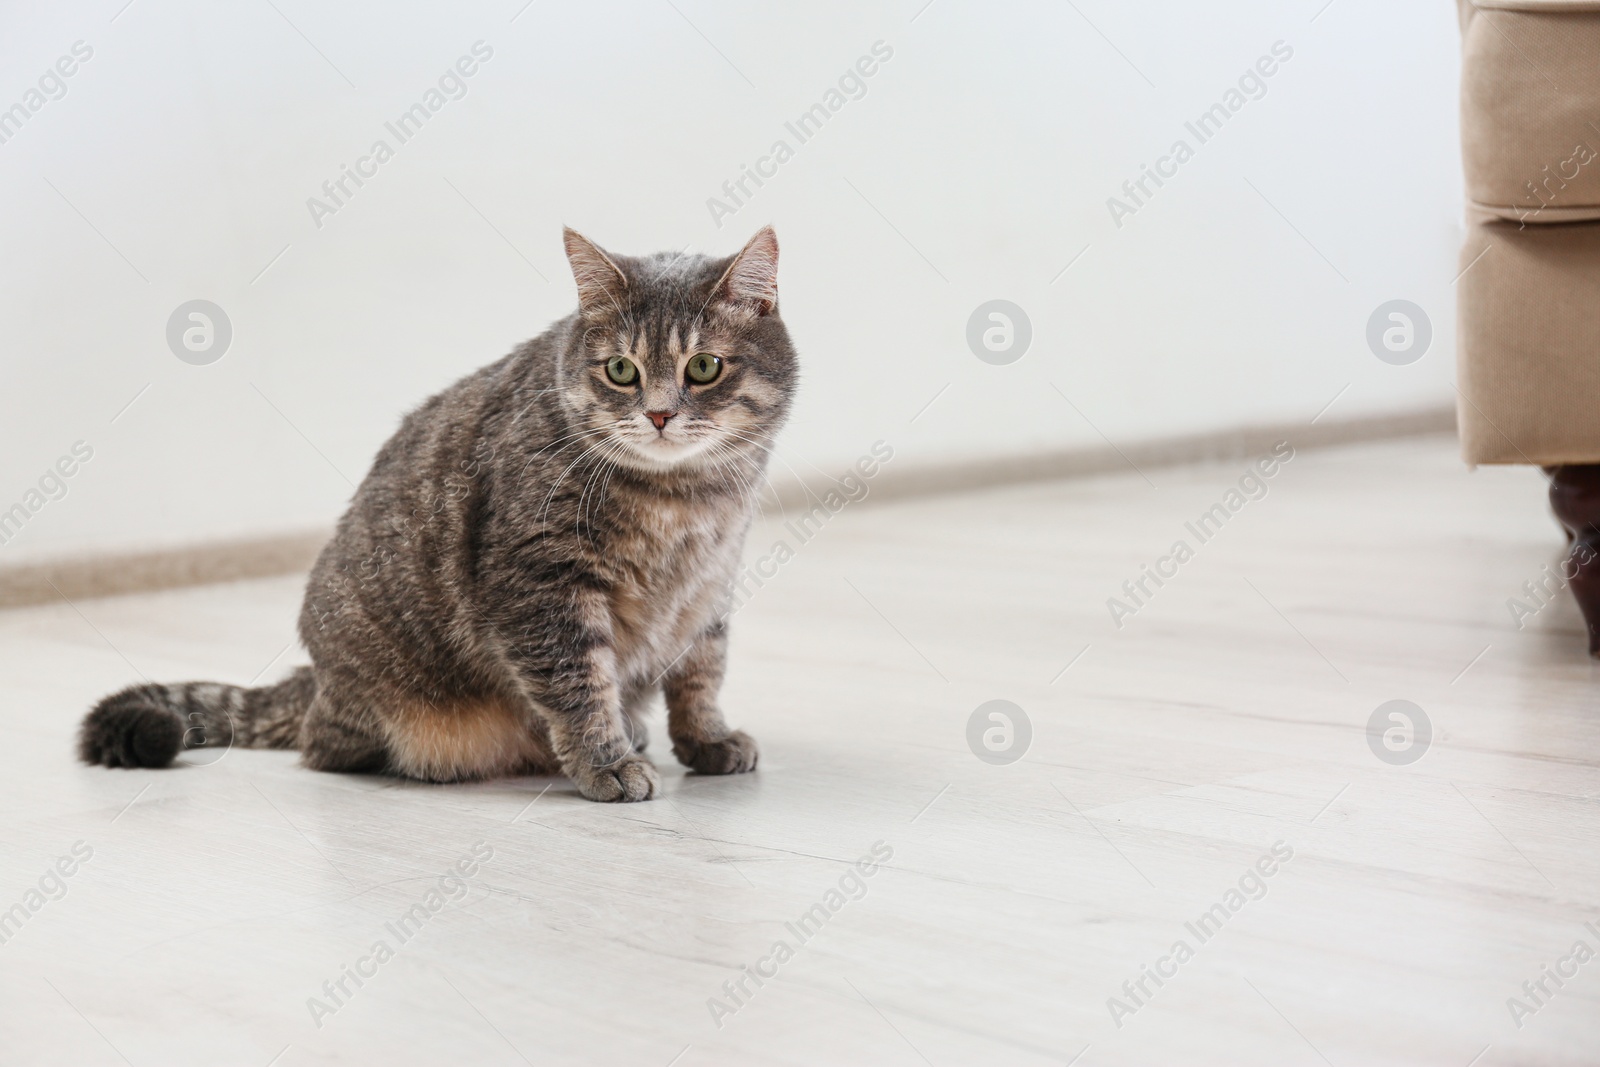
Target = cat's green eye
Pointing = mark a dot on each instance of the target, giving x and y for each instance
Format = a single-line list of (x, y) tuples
[(622, 371), (703, 368)]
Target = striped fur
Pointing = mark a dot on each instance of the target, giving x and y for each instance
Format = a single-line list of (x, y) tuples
[(532, 557), (148, 725)]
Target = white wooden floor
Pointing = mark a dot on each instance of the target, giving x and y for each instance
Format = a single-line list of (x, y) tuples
[(1229, 715)]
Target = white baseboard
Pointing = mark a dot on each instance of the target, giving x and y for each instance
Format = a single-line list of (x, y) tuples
[(112, 574), (899, 479), (115, 573)]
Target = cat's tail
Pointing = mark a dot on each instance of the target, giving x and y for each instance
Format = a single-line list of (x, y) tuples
[(148, 725)]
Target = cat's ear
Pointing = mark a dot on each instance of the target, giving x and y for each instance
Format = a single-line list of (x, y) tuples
[(601, 282), (751, 280)]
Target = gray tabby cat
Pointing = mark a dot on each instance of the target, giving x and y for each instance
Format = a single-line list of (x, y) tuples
[(534, 553)]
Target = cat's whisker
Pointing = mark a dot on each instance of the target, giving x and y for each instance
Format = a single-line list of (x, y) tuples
[(772, 453), (723, 470), (590, 508), (579, 435), (545, 510), (594, 452), (733, 465), (607, 466)]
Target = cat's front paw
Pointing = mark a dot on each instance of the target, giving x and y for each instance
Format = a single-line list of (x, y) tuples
[(629, 779), (734, 754)]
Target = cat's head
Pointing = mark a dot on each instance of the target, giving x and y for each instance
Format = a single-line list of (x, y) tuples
[(678, 361)]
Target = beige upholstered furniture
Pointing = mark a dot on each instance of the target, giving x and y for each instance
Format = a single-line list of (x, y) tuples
[(1530, 301), (1529, 294)]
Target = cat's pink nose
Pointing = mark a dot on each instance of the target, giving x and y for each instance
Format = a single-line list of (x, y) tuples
[(659, 417)]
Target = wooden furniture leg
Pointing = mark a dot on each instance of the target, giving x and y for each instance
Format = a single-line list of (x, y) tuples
[(1575, 498)]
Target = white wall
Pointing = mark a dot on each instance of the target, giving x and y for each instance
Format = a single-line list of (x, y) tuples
[(991, 141)]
